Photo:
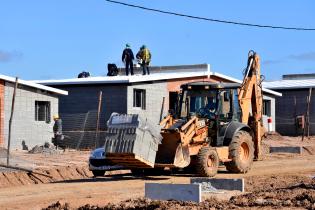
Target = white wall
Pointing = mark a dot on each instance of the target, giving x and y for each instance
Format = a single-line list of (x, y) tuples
[(24, 126)]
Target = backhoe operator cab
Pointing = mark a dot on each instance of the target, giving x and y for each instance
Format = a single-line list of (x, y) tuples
[(215, 103)]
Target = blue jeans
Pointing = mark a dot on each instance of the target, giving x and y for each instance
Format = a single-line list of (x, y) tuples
[(145, 68), (129, 65)]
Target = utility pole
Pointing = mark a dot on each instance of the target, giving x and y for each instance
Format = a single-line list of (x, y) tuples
[(10, 121), (98, 116)]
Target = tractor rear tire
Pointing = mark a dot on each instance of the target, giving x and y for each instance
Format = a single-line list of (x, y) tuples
[(241, 151), (207, 162)]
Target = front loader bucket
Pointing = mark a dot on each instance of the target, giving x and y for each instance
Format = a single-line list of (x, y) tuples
[(171, 153), (182, 157)]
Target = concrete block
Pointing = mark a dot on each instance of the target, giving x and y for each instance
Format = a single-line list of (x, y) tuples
[(286, 149), (181, 192), (219, 184)]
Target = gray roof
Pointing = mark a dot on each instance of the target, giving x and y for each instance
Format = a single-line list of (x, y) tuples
[(290, 84), (214, 85), (298, 76), (157, 74)]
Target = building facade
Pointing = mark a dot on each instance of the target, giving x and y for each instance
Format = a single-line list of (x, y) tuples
[(292, 107), (32, 120)]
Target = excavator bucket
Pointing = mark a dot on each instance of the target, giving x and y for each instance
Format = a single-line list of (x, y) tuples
[(171, 153)]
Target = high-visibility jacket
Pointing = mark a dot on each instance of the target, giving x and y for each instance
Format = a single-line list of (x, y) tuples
[(146, 55)]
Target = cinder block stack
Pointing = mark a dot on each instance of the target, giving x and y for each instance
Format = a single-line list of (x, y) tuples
[(130, 141)]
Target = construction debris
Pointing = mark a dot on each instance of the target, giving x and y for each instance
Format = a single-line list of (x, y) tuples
[(47, 148), (208, 188), (213, 184)]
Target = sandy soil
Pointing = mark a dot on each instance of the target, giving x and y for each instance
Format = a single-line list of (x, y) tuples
[(47, 161), (276, 139), (269, 183)]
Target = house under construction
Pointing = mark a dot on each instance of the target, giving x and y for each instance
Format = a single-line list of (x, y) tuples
[(150, 96)]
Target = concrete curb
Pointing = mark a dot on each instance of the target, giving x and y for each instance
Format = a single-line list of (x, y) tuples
[(181, 192), (286, 149)]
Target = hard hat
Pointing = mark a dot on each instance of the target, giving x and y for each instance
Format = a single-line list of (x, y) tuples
[(143, 46), (127, 45), (56, 116)]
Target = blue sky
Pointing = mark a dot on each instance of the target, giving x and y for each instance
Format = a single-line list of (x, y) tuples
[(55, 39)]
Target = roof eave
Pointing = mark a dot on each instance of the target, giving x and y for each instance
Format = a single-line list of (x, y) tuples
[(291, 87), (239, 81), (34, 85)]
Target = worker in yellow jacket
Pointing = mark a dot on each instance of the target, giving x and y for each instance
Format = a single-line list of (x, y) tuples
[(144, 58)]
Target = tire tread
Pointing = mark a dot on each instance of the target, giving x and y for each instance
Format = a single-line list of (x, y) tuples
[(235, 165)]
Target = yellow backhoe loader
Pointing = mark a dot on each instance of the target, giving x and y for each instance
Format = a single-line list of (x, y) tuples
[(215, 123)]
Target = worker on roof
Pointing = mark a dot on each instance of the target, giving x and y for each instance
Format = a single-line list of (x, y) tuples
[(58, 136), (127, 57), (144, 57)]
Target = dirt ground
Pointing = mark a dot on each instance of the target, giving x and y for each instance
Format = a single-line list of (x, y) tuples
[(278, 181)]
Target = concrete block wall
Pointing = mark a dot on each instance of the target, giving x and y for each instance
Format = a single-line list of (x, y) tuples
[(84, 99), (154, 98), (286, 111), (1, 113), (24, 126)]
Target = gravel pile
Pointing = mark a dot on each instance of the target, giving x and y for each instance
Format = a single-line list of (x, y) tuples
[(47, 148)]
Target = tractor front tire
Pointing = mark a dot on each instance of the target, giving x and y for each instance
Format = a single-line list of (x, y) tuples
[(241, 151), (98, 173), (147, 171), (207, 162)]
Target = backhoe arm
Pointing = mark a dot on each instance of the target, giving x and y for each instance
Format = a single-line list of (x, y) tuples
[(250, 100)]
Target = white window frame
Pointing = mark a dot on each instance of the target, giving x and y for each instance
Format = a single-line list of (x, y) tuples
[(139, 98)]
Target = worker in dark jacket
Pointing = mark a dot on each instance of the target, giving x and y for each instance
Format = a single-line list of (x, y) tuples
[(127, 57), (58, 136), (144, 57)]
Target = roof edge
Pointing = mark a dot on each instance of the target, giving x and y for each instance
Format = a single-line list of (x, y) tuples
[(239, 81), (290, 84), (34, 85)]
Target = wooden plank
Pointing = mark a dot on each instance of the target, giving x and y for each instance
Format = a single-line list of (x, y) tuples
[(160, 165), (133, 165), (188, 123), (127, 159)]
